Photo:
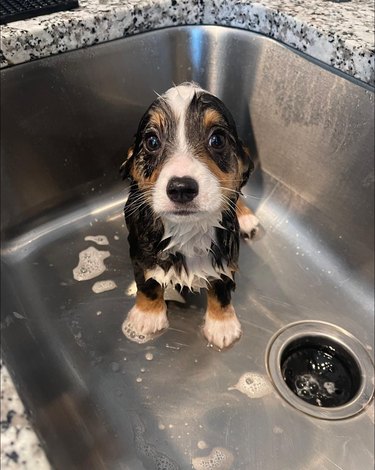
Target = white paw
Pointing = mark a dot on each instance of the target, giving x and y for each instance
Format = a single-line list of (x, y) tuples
[(249, 225), (141, 327), (222, 333)]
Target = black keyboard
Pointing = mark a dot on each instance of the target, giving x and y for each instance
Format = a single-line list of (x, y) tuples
[(14, 10)]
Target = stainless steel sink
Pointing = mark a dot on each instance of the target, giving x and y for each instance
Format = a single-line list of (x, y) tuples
[(99, 401)]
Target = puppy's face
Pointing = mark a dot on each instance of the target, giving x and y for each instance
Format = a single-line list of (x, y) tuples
[(187, 158)]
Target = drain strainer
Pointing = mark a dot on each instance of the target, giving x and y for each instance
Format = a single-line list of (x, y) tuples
[(321, 369)]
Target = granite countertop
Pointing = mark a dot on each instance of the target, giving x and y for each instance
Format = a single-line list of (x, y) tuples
[(337, 33), (20, 446)]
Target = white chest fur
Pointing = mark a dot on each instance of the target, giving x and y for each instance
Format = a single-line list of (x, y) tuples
[(193, 240)]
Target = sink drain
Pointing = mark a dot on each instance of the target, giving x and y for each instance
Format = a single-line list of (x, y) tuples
[(321, 369)]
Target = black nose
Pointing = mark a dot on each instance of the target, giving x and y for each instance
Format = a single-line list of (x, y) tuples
[(183, 189)]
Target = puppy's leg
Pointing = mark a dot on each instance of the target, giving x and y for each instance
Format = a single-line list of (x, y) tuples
[(149, 314), (247, 220), (221, 327)]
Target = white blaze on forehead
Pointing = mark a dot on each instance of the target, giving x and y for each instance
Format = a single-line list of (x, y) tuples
[(179, 99)]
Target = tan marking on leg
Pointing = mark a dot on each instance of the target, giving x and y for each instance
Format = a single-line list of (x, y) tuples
[(221, 327), (146, 318), (214, 308), (148, 305)]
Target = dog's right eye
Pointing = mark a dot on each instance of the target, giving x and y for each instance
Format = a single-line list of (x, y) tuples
[(152, 142)]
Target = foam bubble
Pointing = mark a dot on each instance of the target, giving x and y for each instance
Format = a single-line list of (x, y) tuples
[(253, 385), (98, 239), (308, 386), (103, 286), (91, 264), (330, 387), (149, 356), (147, 452), (202, 445), (218, 459)]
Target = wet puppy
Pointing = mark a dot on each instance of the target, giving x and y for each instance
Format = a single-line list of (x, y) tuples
[(186, 168)]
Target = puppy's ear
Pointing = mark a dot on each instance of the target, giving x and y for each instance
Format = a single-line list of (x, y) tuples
[(126, 167), (246, 165)]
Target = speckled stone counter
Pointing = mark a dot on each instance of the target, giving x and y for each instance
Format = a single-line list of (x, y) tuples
[(338, 34), (20, 448)]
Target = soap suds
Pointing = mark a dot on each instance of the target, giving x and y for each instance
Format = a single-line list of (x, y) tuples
[(218, 459), (150, 456), (202, 445), (98, 239), (103, 286), (91, 264), (253, 385)]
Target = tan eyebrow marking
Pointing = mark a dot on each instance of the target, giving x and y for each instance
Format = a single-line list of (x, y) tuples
[(212, 117), (157, 119)]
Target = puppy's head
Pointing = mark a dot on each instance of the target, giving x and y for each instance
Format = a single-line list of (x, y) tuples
[(187, 157)]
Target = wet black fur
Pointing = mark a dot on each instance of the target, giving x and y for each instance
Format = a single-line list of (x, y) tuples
[(146, 231)]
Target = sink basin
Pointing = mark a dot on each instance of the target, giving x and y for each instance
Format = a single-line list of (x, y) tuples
[(98, 401)]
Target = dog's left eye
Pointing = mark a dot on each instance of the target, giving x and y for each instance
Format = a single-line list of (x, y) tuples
[(217, 141), (152, 142)]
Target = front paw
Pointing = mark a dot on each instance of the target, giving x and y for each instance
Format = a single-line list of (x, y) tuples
[(249, 225), (141, 326), (223, 332)]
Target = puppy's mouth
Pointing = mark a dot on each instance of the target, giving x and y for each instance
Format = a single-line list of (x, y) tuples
[(183, 209), (184, 212)]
